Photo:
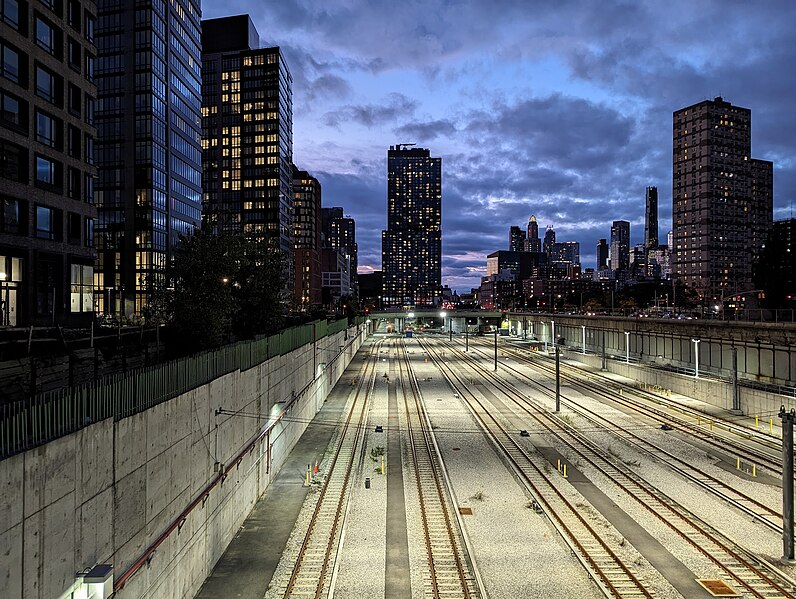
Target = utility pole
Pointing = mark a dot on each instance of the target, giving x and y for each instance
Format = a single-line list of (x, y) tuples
[(736, 395), (558, 381), (787, 483), (496, 333)]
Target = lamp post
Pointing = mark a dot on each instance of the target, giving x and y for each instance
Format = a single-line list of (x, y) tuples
[(696, 357), (466, 336), (4, 316), (442, 315), (553, 332), (583, 338), (496, 334), (627, 347)]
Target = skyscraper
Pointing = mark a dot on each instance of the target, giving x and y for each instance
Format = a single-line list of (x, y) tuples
[(516, 239), (412, 244), (620, 245), (549, 240), (148, 143), (602, 254), (340, 233), (247, 135), (651, 220), (533, 243), (306, 239), (46, 162), (721, 198)]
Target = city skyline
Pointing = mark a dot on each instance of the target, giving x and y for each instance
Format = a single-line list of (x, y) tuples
[(572, 126)]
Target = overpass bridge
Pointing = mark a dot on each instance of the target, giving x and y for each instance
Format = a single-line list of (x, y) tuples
[(765, 352)]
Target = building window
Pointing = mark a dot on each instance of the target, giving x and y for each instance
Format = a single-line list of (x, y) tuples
[(73, 233), (45, 222), (88, 145), (48, 172), (13, 112), (89, 110), (46, 35), (90, 27), (88, 187), (75, 99), (75, 52), (13, 13), (10, 63), (53, 5), (89, 67), (73, 14), (81, 288), (73, 183), (47, 85), (48, 130), (88, 231), (13, 162), (73, 145), (12, 216)]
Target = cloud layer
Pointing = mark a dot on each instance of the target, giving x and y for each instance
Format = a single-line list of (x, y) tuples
[(562, 109)]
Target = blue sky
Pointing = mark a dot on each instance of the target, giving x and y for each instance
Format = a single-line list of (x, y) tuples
[(560, 109)]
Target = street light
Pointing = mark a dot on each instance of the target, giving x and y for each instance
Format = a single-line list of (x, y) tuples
[(583, 338), (4, 317), (627, 347), (553, 332), (696, 357)]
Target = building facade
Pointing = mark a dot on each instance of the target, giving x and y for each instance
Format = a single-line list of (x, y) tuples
[(247, 135), (533, 243), (602, 254), (620, 245), (722, 199), (412, 243), (148, 144), (516, 239), (651, 219), (306, 239), (47, 155), (340, 233), (549, 240)]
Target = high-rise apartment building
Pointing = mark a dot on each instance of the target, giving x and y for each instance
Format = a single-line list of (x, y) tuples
[(339, 233), (549, 240), (620, 245), (651, 219), (602, 254), (306, 239), (148, 143), (566, 253), (516, 239), (533, 243), (247, 135), (47, 172), (722, 198), (412, 244)]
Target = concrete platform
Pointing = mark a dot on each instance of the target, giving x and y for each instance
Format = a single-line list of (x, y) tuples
[(247, 566)]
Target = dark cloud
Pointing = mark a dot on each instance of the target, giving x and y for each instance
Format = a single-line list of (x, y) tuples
[(427, 131), (370, 115)]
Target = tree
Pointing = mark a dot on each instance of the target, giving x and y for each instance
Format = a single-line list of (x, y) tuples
[(260, 290)]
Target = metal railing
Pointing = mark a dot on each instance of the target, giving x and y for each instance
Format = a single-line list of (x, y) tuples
[(46, 416)]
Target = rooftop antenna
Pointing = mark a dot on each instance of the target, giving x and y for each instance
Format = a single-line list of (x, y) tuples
[(404, 146)]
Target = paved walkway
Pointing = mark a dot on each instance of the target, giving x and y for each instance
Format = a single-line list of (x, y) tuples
[(247, 566)]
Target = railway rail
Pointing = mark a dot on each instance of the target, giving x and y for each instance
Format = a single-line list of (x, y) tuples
[(757, 576), (451, 572), (311, 575), (740, 500), (596, 552)]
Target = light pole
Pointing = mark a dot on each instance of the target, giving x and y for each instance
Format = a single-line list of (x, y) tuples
[(627, 347), (442, 315), (496, 333), (583, 338), (696, 357), (466, 336), (553, 332), (4, 308)]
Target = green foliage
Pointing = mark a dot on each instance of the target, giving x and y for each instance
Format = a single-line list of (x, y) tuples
[(217, 285)]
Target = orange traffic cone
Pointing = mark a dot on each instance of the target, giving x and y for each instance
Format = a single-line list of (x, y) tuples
[(315, 469)]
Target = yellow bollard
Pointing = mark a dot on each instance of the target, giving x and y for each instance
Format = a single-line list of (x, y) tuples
[(565, 470), (559, 464), (711, 425), (754, 470), (737, 463), (757, 421), (307, 477), (771, 426), (382, 464)]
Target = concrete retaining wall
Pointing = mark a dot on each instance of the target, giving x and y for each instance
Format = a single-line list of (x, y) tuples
[(107, 492)]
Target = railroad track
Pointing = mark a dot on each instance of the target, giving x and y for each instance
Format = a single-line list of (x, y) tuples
[(311, 575), (451, 572), (597, 553), (745, 503), (758, 577), (767, 456)]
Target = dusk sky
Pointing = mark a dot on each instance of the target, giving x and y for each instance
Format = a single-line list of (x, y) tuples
[(561, 109)]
